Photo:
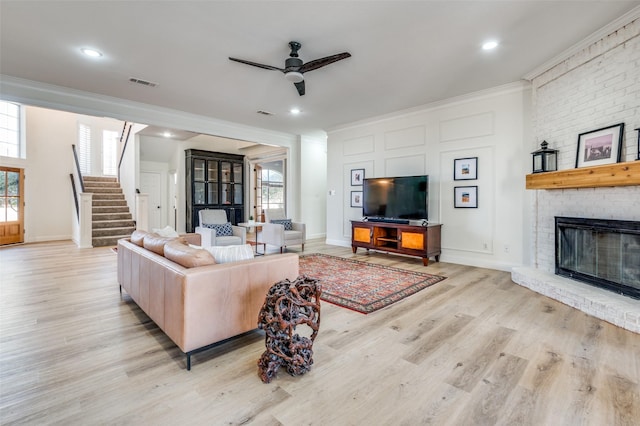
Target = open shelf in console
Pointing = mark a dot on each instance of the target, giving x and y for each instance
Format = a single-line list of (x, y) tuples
[(412, 240)]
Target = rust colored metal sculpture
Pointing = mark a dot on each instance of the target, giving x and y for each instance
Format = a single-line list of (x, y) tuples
[(289, 304)]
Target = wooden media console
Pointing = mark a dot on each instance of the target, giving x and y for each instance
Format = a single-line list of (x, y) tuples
[(419, 241)]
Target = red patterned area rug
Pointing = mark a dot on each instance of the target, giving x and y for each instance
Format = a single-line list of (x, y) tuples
[(362, 286)]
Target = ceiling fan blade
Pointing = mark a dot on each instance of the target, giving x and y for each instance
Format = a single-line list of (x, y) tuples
[(300, 87), (318, 63), (255, 64)]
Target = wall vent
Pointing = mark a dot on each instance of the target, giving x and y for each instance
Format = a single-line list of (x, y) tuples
[(264, 112), (143, 82)]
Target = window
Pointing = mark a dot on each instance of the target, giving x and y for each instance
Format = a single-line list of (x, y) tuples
[(84, 148), (9, 194), (109, 152), (10, 125), (273, 185)]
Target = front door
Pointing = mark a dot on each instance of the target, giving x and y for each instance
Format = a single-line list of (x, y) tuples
[(11, 205)]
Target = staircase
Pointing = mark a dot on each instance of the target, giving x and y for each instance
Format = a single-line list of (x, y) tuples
[(111, 217)]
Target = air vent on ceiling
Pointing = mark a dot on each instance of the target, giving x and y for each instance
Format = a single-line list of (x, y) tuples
[(264, 112), (143, 82)]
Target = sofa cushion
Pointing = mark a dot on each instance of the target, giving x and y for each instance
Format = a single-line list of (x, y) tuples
[(155, 243), (167, 231), (187, 256), (225, 254), (137, 237), (285, 222), (222, 229)]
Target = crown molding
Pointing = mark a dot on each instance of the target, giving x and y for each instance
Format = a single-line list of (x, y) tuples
[(516, 86), (61, 98), (603, 32)]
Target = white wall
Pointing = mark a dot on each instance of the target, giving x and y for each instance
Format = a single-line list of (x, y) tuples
[(313, 184), (488, 125), (597, 87)]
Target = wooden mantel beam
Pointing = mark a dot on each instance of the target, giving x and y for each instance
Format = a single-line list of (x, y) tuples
[(618, 174)]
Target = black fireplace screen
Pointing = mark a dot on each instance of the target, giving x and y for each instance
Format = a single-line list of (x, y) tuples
[(605, 253)]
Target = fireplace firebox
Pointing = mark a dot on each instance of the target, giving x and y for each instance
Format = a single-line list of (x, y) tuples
[(600, 252)]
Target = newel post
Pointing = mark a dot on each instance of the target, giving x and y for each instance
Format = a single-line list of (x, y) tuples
[(86, 220)]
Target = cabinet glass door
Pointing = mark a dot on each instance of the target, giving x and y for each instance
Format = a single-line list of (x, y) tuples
[(212, 168), (225, 171), (237, 173), (212, 193), (198, 170), (237, 193), (226, 194), (198, 193)]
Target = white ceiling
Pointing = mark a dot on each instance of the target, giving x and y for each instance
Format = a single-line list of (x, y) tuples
[(404, 53)]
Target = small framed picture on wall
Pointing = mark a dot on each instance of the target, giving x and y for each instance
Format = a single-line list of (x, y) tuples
[(465, 168), (465, 197), (357, 177), (356, 198)]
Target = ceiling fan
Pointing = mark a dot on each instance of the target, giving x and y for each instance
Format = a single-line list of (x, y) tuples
[(294, 68)]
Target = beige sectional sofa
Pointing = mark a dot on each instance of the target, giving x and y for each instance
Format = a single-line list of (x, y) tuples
[(195, 301)]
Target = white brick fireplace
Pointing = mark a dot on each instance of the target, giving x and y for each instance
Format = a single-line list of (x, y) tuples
[(596, 87)]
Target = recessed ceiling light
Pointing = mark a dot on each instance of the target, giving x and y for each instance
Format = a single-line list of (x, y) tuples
[(91, 52), (489, 45), (167, 134), (294, 111)]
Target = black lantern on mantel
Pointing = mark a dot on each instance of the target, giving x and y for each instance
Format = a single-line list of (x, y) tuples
[(638, 130), (545, 159)]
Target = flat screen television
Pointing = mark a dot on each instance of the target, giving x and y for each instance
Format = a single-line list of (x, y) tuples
[(396, 198)]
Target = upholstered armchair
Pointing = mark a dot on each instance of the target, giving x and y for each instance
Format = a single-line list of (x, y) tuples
[(280, 231), (216, 230)]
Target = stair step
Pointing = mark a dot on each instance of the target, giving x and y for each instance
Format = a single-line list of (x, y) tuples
[(102, 190), (94, 187), (109, 203), (99, 217), (110, 209), (102, 224), (112, 232), (99, 178), (107, 196), (107, 241)]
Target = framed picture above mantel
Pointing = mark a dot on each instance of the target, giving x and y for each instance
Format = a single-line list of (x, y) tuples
[(601, 146)]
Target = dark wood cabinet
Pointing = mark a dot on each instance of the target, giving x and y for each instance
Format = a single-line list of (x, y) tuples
[(420, 241), (214, 181)]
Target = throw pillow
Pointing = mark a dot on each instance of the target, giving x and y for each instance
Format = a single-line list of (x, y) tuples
[(225, 254), (167, 231), (186, 256), (222, 230), (137, 237), (155, 243), (285, 222)]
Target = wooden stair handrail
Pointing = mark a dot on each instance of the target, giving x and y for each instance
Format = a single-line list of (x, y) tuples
[(126, 142), (75, 195), (75, 156)]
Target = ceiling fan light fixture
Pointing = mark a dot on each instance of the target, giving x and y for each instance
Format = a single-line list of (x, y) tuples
[(294, 77)]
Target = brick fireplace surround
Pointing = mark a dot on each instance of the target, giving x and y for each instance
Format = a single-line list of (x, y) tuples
[(598, 86)]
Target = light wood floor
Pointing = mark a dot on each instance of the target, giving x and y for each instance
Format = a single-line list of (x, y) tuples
[(473, 349)]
